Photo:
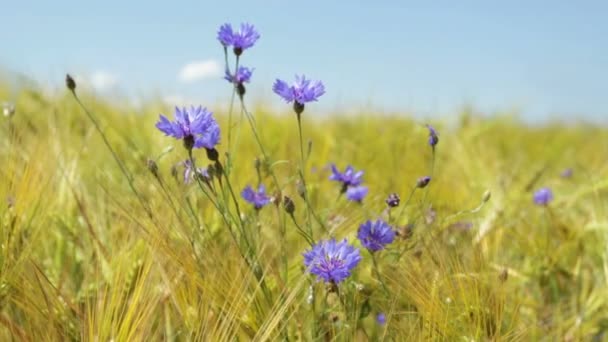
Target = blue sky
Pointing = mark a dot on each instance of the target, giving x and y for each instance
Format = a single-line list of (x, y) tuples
[(545, 58)]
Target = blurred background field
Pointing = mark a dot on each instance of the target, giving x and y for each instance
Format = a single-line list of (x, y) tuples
[(82, 260)]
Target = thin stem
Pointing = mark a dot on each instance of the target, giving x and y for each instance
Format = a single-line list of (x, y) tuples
[(409, 197), (377, 271), (122, 167)]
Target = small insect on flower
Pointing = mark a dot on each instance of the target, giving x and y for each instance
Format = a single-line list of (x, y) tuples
[(257, 198), (348, 178), (357, 193), (543, 196), (332, 261), (240, 40), (433, 137), (375, 235), (195, 126), (300, 92)]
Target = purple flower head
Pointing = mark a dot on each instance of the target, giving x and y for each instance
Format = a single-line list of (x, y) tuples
[(348, 178), (332, 261), (433, 137), (258, 199), (381, 318), (375, 235), (300, 92), (190, 173), (393, 200), (196, 126), (240, 40), (356, 193), (423, 181), (242, 75), (543, 196)]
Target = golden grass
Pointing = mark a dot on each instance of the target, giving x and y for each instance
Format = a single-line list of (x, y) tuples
[(82, 260)]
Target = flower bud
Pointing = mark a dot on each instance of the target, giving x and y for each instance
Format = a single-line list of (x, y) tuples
[(289, 205), (423, 181), (212, 154), (70, 83), (393, 200), (152, 167), (486, 196), (301, 188)]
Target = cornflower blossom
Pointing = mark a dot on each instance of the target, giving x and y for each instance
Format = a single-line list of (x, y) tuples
[(300, 92), (257, 198), (239, 40), (375, 235), (348, 178), (356, 193), (242, 75), (332, 261), (195, 126), (543, 196)]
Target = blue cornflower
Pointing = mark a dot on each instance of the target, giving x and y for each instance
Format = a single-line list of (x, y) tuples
[(423, 181), (196, 126), (300, 92), (356, 193), (242, 75), (381, 318), (348, 178), (543, 196), (433, 138), (375, 235), (190, 173), (258, 199), (332, 261), (239, 40)]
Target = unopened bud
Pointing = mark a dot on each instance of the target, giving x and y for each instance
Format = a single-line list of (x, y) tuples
[(486, 196), (289, 205), (152, 167), (212, 154), (70, 83), (240, 90), (504, 275), (301, 188), (423, 181), (392, 200)]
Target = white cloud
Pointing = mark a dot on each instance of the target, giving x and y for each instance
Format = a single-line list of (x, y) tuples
[(177, 100), (102, 80), (200, 70)]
